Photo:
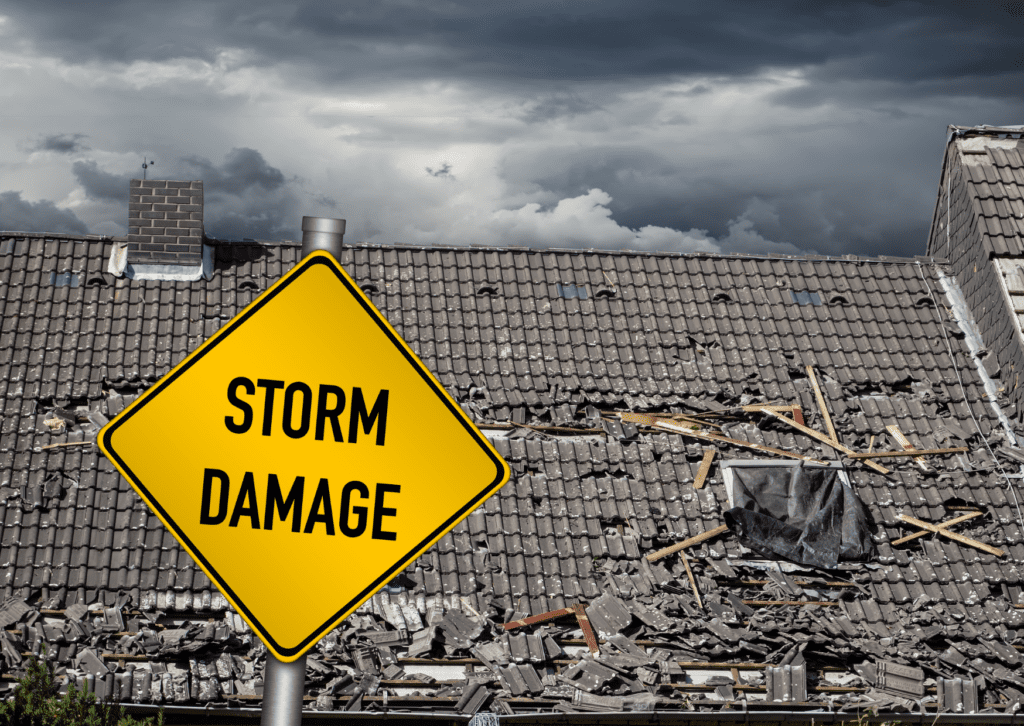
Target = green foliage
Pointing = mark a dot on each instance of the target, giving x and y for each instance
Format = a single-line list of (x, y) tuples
[(37, 702)]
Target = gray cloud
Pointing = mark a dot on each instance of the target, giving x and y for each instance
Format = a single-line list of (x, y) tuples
[(61, 143), (101, 185), (246, 196), (532, 41), (17, 214), (761, 126), (242, 170)]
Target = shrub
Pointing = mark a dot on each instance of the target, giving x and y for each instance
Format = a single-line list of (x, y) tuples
[(37, 702)]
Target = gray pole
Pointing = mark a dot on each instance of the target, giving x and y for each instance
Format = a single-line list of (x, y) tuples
[(282, 692), (283, 683)]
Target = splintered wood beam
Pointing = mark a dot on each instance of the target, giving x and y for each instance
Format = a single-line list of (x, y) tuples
[(588, 630), (696, 539), (541, 618), (579, 610), (821, 404), (665, 425), (909, 452), (826, 440), (952, 535), (941, 525), (705, 467), (903, 441), (693, 582)]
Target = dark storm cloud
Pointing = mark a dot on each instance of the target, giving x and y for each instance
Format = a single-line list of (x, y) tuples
[(245, 196), (17, 214), (99, 184), (242, 170), (910, 42), (60, 143)]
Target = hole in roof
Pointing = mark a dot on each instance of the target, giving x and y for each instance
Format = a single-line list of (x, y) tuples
[(487, 290), (803, 297), (721, 297), (838, 300), (369, 288), (924, 302), (570, 291), (605, 292), (248, 285), (64, 279)]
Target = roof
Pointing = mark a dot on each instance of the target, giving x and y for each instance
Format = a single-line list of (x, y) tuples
[(540, 347), (978, 225)]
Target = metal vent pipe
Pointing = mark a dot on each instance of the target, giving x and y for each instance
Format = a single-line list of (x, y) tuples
[(322, 233)]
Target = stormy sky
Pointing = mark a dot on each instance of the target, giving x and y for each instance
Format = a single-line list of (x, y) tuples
[(738, 126)]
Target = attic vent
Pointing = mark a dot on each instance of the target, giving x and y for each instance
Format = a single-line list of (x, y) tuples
[(487, 290), (805, 298), (96, 281), (64, 279), (369, 288), (248, 285), (838, 300), (571, 291), (605, 292), (721, 297), (924, 302)]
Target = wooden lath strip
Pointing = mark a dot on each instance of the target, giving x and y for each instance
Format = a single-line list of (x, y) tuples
[(588, 630), (705, 467), (579, 610), (953, 535), (910, 452), (541, 618), (941, 525), (821, 404), (696, 539), (903, 441), (693, 582), (659, 423), (826, 440)]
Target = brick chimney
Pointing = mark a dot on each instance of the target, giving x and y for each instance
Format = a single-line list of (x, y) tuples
[(165, 223)]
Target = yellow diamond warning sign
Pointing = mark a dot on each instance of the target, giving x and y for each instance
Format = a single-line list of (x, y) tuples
[(303, 456)]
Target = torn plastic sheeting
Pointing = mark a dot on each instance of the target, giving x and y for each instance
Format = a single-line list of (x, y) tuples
[(809, 515)]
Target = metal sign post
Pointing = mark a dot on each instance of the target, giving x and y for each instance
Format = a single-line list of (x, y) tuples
[(283, 683)]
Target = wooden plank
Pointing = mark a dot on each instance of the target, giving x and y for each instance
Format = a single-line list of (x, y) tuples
[(871, 444), (696, 539), (693, 582), (903, 441), (705, 467), (665, 425), (825, 439), (943, 525), (910, 452), (953, 535), (821, 404), (588, 630), (541, 618)]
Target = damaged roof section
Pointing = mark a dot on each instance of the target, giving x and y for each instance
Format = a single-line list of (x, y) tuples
[(704, 342)]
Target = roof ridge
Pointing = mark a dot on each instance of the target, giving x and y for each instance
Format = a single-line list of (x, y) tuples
[(810, 257)]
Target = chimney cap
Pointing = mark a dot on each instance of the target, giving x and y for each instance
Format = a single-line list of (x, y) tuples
[(322, 233)]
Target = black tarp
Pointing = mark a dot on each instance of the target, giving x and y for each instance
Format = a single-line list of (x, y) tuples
[(808, 515)]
